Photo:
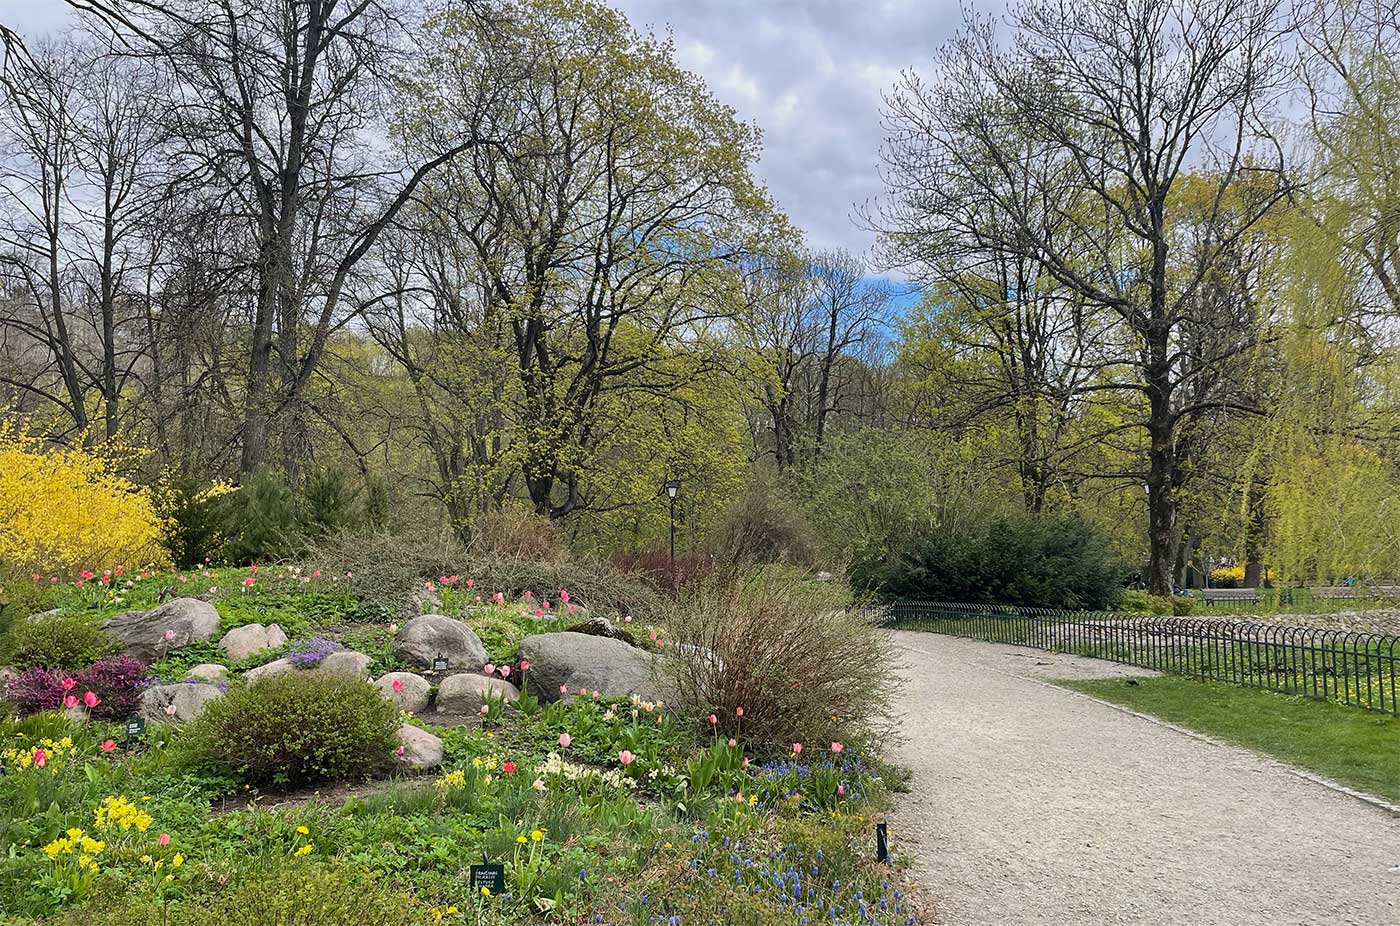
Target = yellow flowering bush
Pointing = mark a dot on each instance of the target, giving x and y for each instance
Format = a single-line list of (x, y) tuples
[(46, 754), (116, 812), (65, 508)]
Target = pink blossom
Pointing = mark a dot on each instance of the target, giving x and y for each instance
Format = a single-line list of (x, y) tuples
[(524, 665), (70, 702), (713, 720), (797, 749), (470, 582), (91, 699), (485, 709), (69, 684), (564, 595), (841, 790), (573, 608), (539, 612), (836, 747), (253, 569), (626, 757), (564, 740), (733, 742), (163, 840), (249, 582), (738, 797), (41, 758), (499, 598), (505, 671), (627, 619), (738, 712), (315, 573), (652, 635), (170, 634), (595, 694), (397, 684), (529, 594), (489, 668), (563, 689), (170, 710), (108, 745)]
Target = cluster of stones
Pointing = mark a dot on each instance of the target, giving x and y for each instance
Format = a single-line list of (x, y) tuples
[(592, 657)]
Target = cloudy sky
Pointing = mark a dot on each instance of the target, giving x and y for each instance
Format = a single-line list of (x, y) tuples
[(808, 72)]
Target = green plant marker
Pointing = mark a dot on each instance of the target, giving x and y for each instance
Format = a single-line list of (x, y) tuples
[(491, 877), (135, 727), (439, 663)]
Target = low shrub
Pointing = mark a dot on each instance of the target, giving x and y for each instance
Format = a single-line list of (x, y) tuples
[(61, 641), (116, 680), (764, 527), (296, 893), (801, 670), (37, 689), (1133, 601), (298, 727), (517, 532), (689, 568), (1050, 561)]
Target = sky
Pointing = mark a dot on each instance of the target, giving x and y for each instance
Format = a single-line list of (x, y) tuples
[(809, 73)]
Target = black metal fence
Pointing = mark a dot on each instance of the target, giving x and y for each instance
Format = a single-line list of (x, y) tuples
[(1332, 665)]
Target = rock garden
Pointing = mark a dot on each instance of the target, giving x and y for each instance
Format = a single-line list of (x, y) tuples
[(274, 745)]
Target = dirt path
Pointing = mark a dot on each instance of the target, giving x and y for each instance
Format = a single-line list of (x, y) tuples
[(1037, 805)]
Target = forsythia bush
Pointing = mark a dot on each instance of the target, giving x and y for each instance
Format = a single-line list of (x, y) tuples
[(63, 509)]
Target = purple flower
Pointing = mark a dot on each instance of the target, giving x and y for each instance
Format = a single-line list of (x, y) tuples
[(307, 654)]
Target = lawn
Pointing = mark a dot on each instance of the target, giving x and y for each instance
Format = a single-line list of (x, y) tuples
[(1357, 748)]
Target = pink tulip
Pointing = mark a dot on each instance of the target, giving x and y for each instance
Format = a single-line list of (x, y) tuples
[(738, 712), (524, 665), (627, 619), (539, 612), (249, 582), (470, 582), (41, 758), (499, 598), (170, 634), (595, 694), (797, 749), (836, 747), (563, 689), (69, 684), (573, 608), (315, 573), (529, 595), (652, 635), (505, 671), (625, 757), (489, 668), (397, 684), (713, 719), (71, 701), (91, 699), (170, 710), (485, 709), (841, 790), (739, 797), (163, 840), (108, 745), (564, 740), (564, 596), (733, 742)]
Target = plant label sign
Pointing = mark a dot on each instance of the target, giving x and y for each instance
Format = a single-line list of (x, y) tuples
[(440, 664), (491, 877), (135, 727)]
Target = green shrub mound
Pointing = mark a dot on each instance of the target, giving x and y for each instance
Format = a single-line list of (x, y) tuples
[(63, 641), (292, 894), (297, 728), (1136, 602), (1050, 561)]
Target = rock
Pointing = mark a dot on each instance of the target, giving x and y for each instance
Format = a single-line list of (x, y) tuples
[(45, 615), (142, 633), (418, 748), (189, 700), (602, 627), (347, 662), (276, 667), (464, 692), (413, 694), (209, 672), (581, 660), (241, 642), (422, 639)]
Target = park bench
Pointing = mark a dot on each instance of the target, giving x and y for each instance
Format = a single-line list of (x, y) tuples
[(1210, 595), (1333, 592)]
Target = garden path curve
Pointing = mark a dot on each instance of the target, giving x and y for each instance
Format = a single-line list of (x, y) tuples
[(1032, 804)]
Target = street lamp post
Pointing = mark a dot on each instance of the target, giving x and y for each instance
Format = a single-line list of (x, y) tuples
[(672, 488)]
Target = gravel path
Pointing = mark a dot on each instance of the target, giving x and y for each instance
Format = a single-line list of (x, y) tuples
[(1036, 805)]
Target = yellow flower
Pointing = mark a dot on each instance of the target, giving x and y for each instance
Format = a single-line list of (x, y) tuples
[(485, 891), (521, 839), (304, 850), (451, 910), (536, 835), (303, 830), (179, 860)]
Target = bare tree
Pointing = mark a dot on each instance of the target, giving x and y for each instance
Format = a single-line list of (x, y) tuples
[(1123, 98)]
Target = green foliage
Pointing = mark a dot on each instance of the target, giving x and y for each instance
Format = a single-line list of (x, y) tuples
[(21, 596), (192, 522), (764, 526), (1133, 601), (299, 727), (1052, 561), (260, 519), (328, 503), (60, 641)]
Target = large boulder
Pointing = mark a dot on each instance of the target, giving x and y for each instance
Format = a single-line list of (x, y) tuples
[(275, 667), (241, 642), (409, 692), (347, 662), (464, 692), (580, 660), (417, 748), (422, 639), (189, 701), (143, 633)]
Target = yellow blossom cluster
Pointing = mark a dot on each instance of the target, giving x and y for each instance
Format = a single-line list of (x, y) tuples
[(63, 508), (42, 755), (116, 812), (76, 842)]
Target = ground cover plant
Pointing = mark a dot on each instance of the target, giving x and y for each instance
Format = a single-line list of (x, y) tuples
[(287, 802)]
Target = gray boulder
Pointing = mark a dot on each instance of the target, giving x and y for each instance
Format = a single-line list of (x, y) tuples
[(580, 660), (275, 667), (417, 748), (347, 662), (209, 672), (422, 639), (189, 701), (241, 642), (143, 633), (464, 692), (413, 692)]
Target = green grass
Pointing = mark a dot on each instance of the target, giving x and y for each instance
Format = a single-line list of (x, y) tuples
[(1354, 747)]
